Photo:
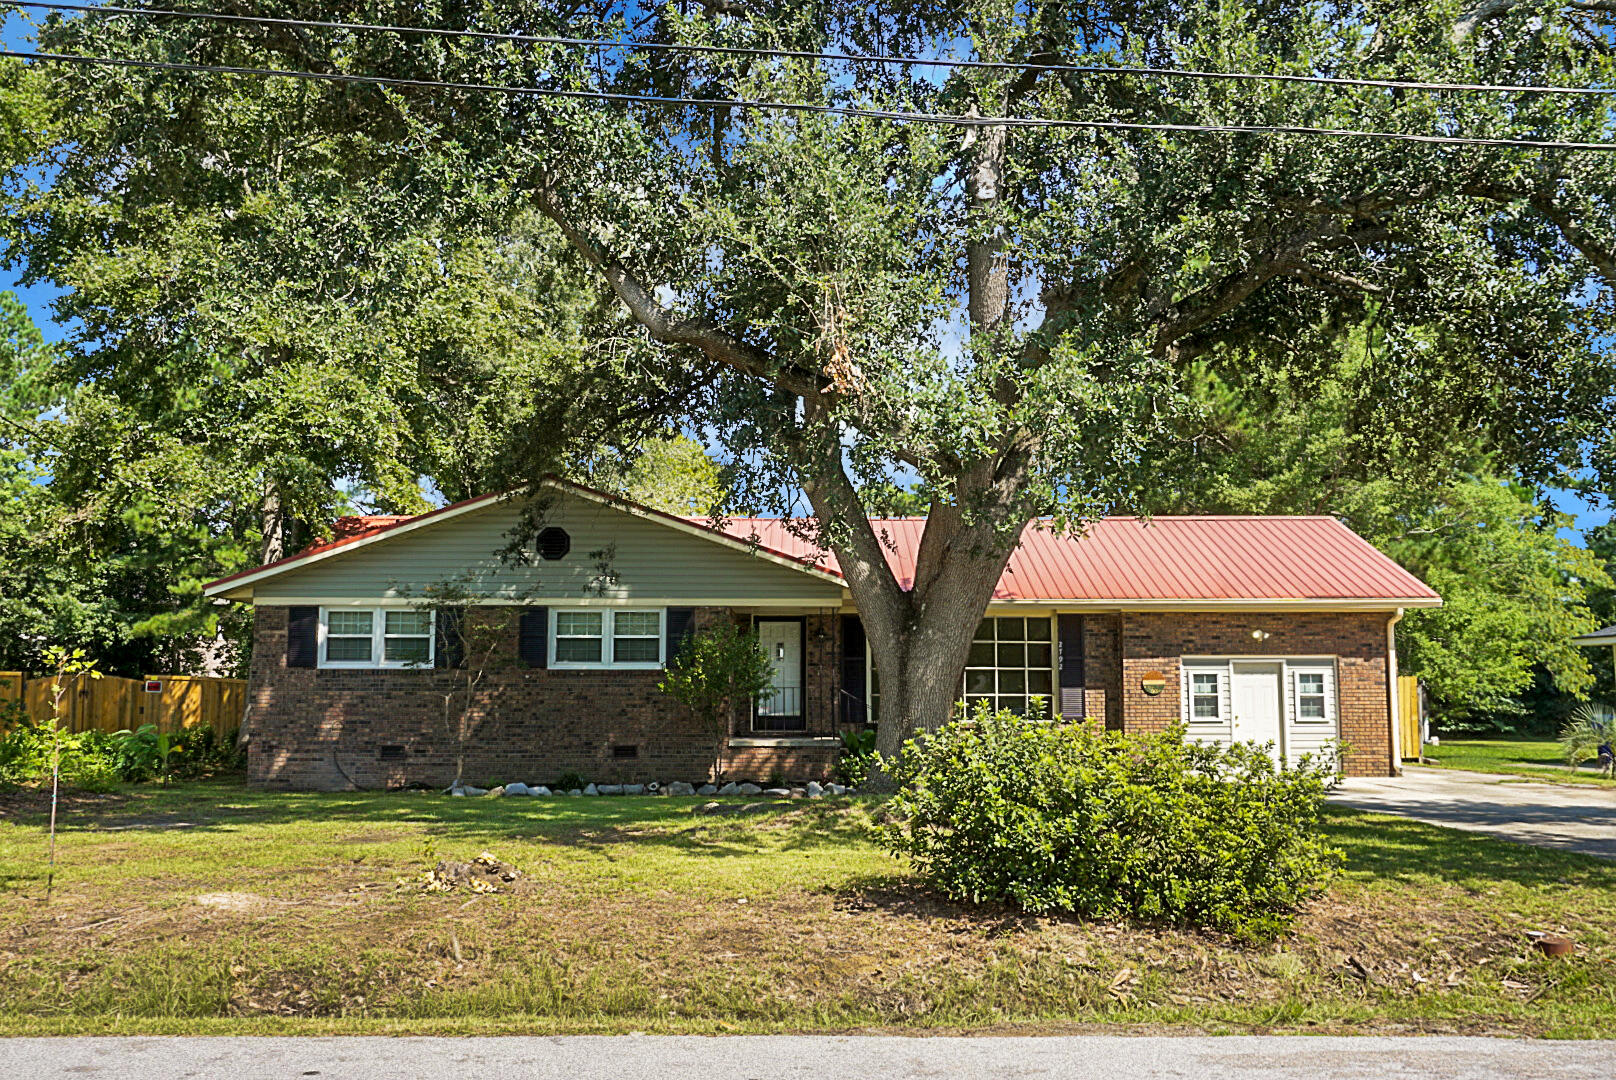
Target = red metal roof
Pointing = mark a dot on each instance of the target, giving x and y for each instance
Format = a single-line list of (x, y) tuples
[(1219, 558), (1165, 559)]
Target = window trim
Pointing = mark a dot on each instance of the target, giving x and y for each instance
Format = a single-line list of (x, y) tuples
[(608, 640), (378, 641), (1051, 699), (1326, 693), (1220, 677)]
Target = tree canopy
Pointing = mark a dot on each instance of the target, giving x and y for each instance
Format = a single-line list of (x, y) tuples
[(1010, 311)]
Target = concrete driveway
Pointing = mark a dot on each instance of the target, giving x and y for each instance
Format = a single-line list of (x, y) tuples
[(1562, 816)]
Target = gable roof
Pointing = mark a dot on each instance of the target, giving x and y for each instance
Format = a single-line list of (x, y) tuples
[(1607, 636), (1165, 559), (1162, 561), (353, 533)]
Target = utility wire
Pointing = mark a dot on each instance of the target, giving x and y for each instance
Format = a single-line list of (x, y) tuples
[(803, 107), (795, 54)]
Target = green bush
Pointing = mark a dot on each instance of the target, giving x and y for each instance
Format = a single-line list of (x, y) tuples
[(857, 757), (96, 760), (1073, 818)]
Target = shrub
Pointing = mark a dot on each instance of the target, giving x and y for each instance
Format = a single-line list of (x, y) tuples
[(1072, 818), (857, 757), (718, 669), (87, 763)]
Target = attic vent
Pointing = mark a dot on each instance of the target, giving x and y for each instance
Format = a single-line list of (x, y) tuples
[(554, 543), (622, 751), (391, 753)]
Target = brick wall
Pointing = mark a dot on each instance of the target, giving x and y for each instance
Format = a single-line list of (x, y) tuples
[(1155, 642), (1102, 669), (335, 729)]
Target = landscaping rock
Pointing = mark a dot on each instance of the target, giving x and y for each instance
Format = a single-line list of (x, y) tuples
[(517, 788), (815, 789), (541, 790), (474, 792), (654, 788), (707, 789), (574, 791), (633, 789), (611, 789), (591, 790), (459, 792), (730, 788), (748, 789), (835, 789), (679, 787), (494, 793), (778, 792)]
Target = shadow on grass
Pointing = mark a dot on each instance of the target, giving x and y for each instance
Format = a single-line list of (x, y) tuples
[(1399, 849), (598, 823)]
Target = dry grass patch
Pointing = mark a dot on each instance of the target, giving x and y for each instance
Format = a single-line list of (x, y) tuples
[(306, 913)]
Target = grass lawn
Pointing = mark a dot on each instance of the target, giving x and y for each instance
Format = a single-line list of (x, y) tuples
[(1537, 758), (211, 909)]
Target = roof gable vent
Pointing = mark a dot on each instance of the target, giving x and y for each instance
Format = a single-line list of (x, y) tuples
[(554, 543)]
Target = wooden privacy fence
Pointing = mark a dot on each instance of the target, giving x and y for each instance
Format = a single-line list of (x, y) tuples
[(1410, 718), (173, 702)]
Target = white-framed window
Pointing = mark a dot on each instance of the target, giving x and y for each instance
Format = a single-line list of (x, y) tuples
[(376, 638), (1206, 697), (606, 638), (1312, 696)]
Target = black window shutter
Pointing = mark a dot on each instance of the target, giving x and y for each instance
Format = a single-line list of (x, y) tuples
[(533, 637), (681, 623), (451, 650), (855, 695), (1070, 704), (302, 637)]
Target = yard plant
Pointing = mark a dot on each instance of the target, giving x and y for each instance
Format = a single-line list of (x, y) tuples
[(1071, 818), (719, 669)]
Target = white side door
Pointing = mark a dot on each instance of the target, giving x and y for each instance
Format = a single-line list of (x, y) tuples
[(1257, 706)]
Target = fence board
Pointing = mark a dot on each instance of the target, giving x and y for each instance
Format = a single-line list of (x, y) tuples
[(113, 704), (10, 686)]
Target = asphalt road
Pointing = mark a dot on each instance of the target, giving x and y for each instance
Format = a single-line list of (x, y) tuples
[(1564, 816), (1086, 1057)]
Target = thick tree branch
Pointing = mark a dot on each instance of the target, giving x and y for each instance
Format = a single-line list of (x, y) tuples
[(713, 342)]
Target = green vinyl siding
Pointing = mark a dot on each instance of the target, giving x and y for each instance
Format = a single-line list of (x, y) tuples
[(614, 555)]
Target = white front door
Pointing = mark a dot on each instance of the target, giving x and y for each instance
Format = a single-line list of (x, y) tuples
[(1255, 705), (781, 642)]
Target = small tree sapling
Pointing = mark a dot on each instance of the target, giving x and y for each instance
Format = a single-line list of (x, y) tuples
[(719, 668)]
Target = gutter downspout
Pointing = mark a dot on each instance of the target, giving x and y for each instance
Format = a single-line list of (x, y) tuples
[(1394, 745)]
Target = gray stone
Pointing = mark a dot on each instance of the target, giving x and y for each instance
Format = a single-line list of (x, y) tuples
[(748, 789), (707, 789), (633, 789), (574, 791), (541, 790), (777, 792), (679, 787), (458, 793), (730, 788), (815, 789), (474, 791), (517, 788), (611, 789), (654, 788), (495, 793), (835, 789), (591, 790)]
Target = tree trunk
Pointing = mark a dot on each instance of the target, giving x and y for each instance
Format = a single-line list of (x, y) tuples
[(272, 523)]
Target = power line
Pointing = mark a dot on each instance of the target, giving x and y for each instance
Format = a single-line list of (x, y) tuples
[(803, 107), (797, 54)]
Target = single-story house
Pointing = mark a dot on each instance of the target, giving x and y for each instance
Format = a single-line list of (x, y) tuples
[(1275, 629)]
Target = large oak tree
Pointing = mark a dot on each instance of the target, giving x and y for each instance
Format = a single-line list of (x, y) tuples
[(1005, 313)]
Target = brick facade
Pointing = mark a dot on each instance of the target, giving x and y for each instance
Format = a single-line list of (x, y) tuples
[(338, 729), (1156, 641), (320, 729)]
